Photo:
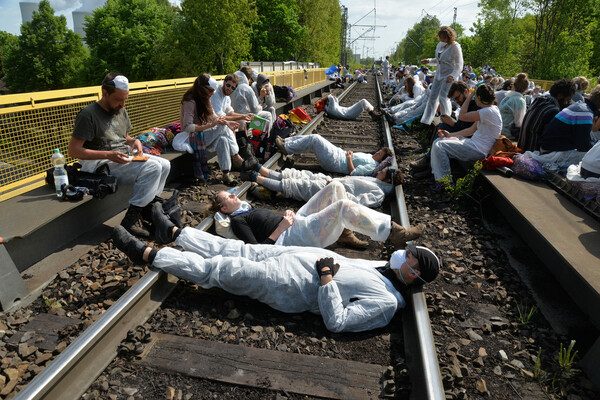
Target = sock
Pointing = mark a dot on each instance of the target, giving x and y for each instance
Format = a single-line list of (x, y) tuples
[(152, 255), (276, 175), (176, 234), (273, 184), (258, 167)]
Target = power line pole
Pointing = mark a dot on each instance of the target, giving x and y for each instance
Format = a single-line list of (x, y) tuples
[(454, 20), (344, 37)]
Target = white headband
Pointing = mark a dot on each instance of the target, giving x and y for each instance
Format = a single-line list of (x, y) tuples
[(121, 82)]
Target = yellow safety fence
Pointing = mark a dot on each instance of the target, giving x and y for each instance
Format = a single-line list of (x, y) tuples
[(32, 125)]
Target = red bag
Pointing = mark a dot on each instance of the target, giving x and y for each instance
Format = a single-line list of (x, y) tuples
[(492, 162), (300, 113), (320, 105)]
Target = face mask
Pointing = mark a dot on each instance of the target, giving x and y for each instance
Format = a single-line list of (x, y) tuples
[(399, 259)]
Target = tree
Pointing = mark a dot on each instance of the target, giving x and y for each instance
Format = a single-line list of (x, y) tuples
[(209, 36), (420, 41), (126, 36), (7, 41), (46, 56), (277, 31), (322, 21)]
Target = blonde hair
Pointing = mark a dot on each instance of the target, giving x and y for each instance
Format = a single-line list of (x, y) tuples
[(582, 83)]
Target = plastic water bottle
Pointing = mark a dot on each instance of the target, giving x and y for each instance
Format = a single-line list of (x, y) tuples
[(60, 174)]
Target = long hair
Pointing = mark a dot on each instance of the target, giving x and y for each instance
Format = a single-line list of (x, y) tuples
[(201, 95), (409, 84)]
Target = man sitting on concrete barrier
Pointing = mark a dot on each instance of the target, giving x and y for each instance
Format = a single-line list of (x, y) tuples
[(101, 137), (330, 157), (352, 295)]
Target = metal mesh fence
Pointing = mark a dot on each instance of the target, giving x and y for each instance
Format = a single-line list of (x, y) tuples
[(32, 125)]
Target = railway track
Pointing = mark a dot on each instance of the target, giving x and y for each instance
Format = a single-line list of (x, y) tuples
[(407, 342)]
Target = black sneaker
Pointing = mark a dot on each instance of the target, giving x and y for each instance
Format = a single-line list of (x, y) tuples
[(129, 244), (163, 227), (133, 222)]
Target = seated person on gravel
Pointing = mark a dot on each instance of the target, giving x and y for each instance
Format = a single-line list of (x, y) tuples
[(368, 191), (333, 109), (244, 100), (331, 158), (197, 116), (570, 130), (469, 144), (542, 111), (352, 295), (100, 137), (326, 218)]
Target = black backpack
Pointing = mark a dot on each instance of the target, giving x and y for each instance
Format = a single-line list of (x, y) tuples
[(284, 93), (99, 183)]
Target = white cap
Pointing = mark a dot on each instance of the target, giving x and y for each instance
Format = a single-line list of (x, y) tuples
[(121, 82), (213, 83)]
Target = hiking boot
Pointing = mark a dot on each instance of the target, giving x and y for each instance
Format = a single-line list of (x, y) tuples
[(249, 164), (420, 164), (280, 143), (248, 176), (388, 116), (172, 210), (128, 244), (229, 180), (400, 235), (424, 174), (134, 223), (347, 237), (261, 193), (375, 115), (236, 163), (163, 227)]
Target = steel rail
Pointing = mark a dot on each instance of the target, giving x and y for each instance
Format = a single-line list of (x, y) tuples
[(76, 368), (417, 327)]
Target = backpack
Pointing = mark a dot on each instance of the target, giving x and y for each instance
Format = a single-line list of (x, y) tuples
[(298, 115), (284, 93), (320, 105), (99, 183)]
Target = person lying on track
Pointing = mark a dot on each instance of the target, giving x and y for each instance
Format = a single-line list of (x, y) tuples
[(303, 185), (333, 109), (319, 223), (330, 157), (352, 295)]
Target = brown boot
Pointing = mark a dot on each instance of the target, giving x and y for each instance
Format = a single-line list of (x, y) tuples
[(134, 223), (347, 237), (400, 235)]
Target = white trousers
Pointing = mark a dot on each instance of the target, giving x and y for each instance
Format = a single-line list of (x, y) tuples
[(443, 149), (347, 113), (285, 278), (438, 95), (320, 222), (148, 178), (221, 139), (330, 157)]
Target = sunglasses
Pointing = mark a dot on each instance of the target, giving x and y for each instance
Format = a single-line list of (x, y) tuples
[(230, 86)]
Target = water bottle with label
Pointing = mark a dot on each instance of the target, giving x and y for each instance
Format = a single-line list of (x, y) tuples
[(60, 174)]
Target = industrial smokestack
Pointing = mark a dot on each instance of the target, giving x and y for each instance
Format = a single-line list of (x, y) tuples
[(79, 21), (27, 9)]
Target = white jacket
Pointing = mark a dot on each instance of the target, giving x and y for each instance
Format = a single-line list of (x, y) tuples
[(243, 99), (449, 60)]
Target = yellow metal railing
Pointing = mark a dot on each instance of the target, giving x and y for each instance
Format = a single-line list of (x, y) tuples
[(32, 125)]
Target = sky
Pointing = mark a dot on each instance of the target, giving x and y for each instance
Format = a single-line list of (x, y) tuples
[(397, 15)]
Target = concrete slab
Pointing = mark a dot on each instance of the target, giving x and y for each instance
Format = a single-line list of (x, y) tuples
[(562, 235)]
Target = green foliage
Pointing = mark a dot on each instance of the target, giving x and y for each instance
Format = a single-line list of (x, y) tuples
[(463, 186), (322, 22), (45, 56), (125, 36), (208, 36), (7, 42), (566, 356), (276, 31), (524, 316), (420, 41), (538, 372)]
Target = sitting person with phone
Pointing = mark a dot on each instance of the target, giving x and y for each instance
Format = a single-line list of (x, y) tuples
[(101, 137)]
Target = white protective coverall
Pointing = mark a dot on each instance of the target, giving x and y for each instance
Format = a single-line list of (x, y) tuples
[(268, 102), (221, 103), (449, 61), (219, 138), (410, 109), (303, 185), (244, 101), (330, 157), (346, 113), (320, 222), (285, 278)]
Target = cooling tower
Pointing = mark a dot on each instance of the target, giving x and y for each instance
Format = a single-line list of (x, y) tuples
[(27, 9), (79, 21)]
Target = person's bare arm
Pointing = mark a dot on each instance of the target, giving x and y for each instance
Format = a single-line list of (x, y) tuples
[(76, 150)]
